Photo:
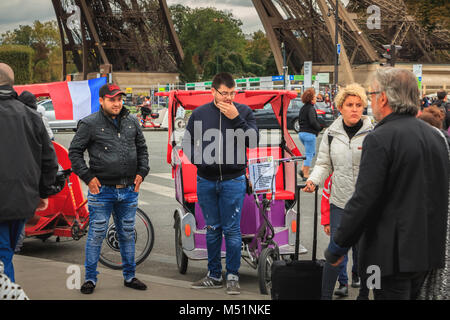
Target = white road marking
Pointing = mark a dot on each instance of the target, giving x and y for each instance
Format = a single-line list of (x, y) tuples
[(162, 175), (158, 189)]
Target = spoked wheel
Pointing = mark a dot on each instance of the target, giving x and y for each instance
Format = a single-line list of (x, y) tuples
[(144, 237), (182, 259), (266, 259)]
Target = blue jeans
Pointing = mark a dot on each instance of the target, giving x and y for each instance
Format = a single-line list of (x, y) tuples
[(122, 203), (221, 203), (330, 273), (9, 235), (309, 141)]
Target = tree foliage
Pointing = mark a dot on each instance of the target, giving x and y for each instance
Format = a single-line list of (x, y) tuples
[(214, 41), (19, 57), (43, 38)]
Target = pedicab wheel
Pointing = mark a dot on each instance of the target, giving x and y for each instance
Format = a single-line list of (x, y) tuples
[(182, 259), (144, 237), (266, 259)]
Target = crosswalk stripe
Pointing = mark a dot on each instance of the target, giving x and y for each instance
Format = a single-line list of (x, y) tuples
[(158, 189), (163, 175)]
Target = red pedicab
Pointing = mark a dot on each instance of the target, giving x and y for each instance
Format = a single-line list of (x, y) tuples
[(268, 221)]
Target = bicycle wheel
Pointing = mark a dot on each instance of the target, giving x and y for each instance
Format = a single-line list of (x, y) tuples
[(266, 259), (144, 237)]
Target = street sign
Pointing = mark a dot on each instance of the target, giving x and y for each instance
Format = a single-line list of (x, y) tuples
[(277, 78), (417, 70), (323, 77), (338, 48), (307, 66)]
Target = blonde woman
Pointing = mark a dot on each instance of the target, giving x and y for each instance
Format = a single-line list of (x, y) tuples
[(339, 154)]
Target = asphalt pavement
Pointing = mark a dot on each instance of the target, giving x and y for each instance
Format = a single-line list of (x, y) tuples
[(44, 267)]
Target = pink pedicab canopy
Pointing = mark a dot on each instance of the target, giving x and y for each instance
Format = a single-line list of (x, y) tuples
[(255, 99)]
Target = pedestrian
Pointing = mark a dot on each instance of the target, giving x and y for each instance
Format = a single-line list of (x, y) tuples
[(28, 167), (398, 211), (425, 102), (340, 154), (146, 109), (435, 116), (29, 99), (118, 164), (221, 180), (357, 282), (442, 104), (309, 129)]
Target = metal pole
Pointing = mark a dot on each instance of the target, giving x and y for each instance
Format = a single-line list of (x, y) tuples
[(336, 41), (283, 48)]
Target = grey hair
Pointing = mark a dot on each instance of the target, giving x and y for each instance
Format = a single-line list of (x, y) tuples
[(400, 86)]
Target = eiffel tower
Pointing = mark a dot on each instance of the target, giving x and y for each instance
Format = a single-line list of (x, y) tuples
[(123, 35), (307, 29)]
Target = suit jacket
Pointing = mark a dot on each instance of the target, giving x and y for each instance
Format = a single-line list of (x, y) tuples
[(398, 211)]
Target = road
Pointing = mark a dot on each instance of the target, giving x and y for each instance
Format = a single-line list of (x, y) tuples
[(157, 200)]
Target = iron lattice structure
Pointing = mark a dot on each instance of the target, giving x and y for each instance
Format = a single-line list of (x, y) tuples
[(128, 35), (307, 28)]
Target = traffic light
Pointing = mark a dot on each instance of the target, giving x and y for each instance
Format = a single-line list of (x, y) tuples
[(391, 54)]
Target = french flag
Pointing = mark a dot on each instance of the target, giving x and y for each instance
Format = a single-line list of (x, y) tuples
[(72, 100), (75, 100)]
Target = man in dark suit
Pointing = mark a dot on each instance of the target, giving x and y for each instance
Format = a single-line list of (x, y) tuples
[(398, 211)]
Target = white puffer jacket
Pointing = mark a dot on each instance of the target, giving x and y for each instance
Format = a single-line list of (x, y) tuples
[(344, 162)]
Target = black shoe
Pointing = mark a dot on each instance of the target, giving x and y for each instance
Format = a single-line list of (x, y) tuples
[(87, 287), (301, 174), (135, 284), (356, 283), (342, 291)]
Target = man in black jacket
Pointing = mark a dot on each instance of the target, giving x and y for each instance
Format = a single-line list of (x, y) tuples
[(442, 104), (216, 138), (28, 166), (118, 163), (398, 211)]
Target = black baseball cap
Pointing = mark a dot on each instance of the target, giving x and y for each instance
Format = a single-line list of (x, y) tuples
[(110, 90)]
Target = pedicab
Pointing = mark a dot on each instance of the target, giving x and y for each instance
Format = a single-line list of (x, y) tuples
[(148, 120), (268, 220), (67, 216)]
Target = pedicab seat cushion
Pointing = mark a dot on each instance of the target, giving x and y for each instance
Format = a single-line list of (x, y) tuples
[(189, 172), (190, 175)]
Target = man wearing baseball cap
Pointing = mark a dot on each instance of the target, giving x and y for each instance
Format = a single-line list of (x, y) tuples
[(118, 163)]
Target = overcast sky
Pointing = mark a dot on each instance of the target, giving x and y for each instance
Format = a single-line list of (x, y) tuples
[(16, 12)]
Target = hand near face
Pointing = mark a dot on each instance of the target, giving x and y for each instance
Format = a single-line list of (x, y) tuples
[(228, 109)]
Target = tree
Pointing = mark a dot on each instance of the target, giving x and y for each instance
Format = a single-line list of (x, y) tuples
[(43, 38), (210, 36)]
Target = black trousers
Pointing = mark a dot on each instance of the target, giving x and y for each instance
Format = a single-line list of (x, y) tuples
[(400, 286)]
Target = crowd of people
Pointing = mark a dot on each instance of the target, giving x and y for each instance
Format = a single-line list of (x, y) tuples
[(386, 192), (385, 197)]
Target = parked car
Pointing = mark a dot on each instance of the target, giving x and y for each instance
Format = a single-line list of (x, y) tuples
[(265, 118), (56, 125)]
